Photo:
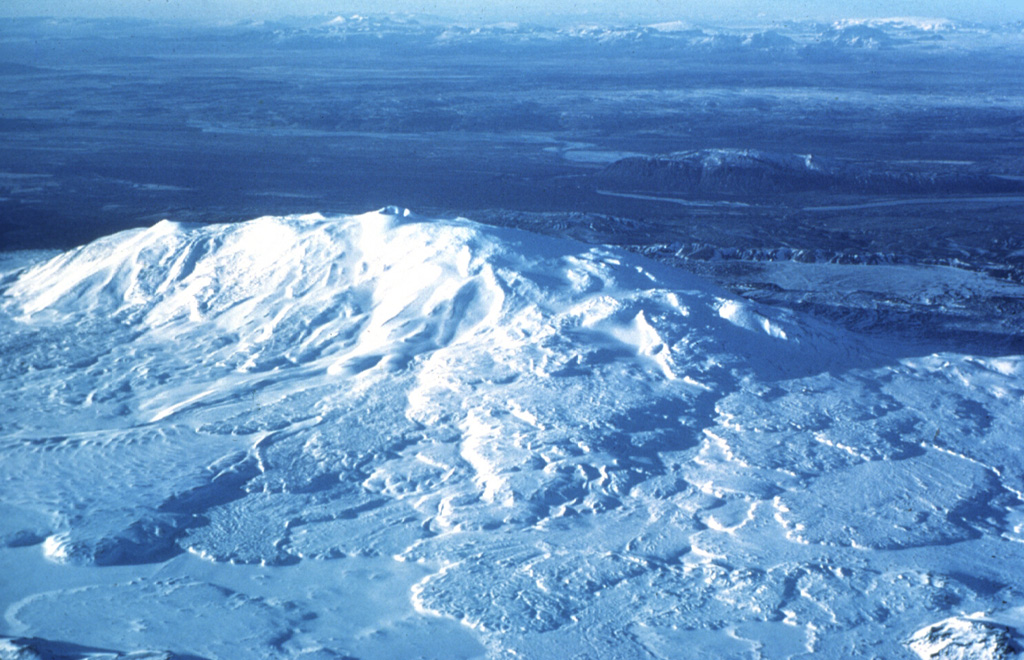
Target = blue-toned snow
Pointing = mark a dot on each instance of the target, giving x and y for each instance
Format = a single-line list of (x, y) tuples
[(387, 436)]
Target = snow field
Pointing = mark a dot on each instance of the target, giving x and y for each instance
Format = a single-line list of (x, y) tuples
[(535, 444)]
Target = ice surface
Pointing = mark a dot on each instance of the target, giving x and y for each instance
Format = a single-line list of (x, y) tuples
[(385, 434)]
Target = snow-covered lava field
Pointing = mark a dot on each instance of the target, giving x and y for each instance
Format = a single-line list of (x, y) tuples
[(383, 435), (697, 342)]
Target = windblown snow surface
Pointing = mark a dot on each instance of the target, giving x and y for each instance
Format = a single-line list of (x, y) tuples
[(387, 436)]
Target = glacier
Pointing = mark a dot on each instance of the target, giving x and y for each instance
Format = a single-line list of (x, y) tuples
[(390, 435)]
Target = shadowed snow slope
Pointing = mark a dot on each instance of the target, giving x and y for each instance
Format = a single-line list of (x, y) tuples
[(537, 443)]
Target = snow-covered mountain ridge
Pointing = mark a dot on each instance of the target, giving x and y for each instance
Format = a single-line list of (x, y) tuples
[(582, 448), (786, 38)]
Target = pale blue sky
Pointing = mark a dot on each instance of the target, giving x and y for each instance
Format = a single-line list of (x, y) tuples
[(623, 10)]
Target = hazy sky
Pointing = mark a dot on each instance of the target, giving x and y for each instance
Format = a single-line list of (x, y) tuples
[(624, 10)]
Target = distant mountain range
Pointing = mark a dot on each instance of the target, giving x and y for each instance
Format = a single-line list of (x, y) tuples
[(806, 38), (740, 172), (794, 38)]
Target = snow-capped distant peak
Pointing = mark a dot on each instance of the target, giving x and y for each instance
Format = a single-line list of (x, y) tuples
[(671, 26), (900, 22)]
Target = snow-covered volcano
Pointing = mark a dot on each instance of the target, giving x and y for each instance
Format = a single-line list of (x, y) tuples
[(386, 435)]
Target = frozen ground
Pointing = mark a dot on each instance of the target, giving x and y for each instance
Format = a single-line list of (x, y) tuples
[(387, 436)]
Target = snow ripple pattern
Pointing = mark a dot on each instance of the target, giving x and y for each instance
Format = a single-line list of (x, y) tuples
[(587, 450)]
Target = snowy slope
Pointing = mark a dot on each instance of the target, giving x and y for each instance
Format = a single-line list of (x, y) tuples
[(386, 435)]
